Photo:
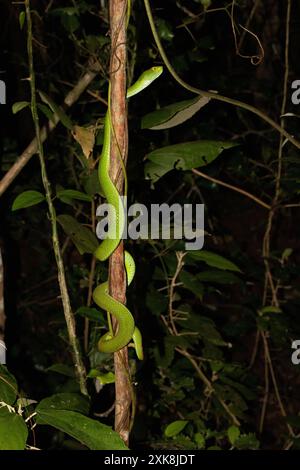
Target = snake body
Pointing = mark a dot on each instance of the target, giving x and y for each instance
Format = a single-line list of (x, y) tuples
[(127, 330)]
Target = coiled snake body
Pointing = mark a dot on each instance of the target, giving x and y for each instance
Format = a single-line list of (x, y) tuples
[(127, 330)]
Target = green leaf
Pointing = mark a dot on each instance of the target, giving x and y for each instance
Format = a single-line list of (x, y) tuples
[(8, 386), (91, 433), (173, 114), (46, 111), (200, 440), (27, 199), (19, 105), (164, 29), (22, 17), (91, 184), (184, 156), (213, 260), (191, 283), (92, 314), (13, 431), (64, 119), (73, 194), (107, 378), (82, 237), (233, 433), (65, 401), (175, 428), (247, 441), (62, 369)]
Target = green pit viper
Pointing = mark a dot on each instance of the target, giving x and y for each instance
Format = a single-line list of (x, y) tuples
[(110, 343)]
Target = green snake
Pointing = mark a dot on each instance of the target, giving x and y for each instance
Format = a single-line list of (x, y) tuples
[(110, 343)]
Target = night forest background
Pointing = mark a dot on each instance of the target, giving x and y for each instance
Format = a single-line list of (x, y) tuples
[(218, 323)]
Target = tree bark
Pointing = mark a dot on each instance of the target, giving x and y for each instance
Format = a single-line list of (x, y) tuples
[(117, 276)]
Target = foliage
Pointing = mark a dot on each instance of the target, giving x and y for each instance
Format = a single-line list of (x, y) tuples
[(215, 322)]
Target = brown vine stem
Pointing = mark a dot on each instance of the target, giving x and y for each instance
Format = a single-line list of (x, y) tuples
[(210, 94), (69, 317), (119, 140)]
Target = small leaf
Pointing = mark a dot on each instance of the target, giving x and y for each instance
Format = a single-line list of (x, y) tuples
[(86, 139), (64, 119), (13, 431), (19, 105), (8, 386), (175, 428), (61, 369), (173, 114), (91, 313), (73, 194), (91, 184), (107, 378), (27, 199), (200, 441), (91, 433), (22, 17), (82, 237), (184, 156), (46, 111), (214, 260), (233, 433), (164, 29)]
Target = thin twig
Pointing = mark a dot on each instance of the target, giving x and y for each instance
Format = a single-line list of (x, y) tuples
[(233, 188), (69, 317)]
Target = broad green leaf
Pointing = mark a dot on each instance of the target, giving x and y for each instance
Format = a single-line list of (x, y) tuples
[(233, 433), (8, 386), (13, 430), (82, 237), (191, 283), (173, 114), (73, 194), (62, 369), (214, 260), (184, 156), (91, 433), (91, 313), (19, 105), (65, 401), (175, 427), (27, 199), (22, 17), (64, 119)]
